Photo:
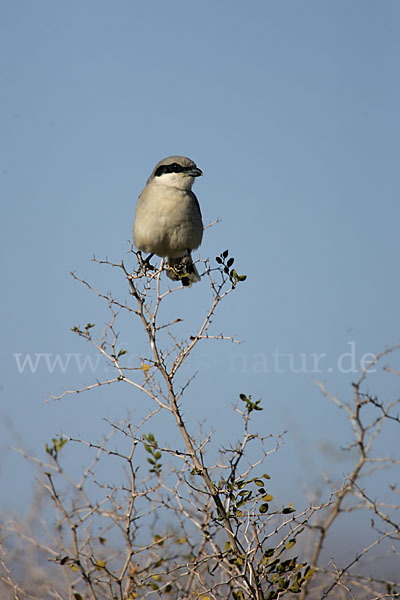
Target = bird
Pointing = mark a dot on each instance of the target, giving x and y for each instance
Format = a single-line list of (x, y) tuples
[(168, 219)]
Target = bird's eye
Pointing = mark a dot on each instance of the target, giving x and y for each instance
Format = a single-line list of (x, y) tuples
[(175, 168)]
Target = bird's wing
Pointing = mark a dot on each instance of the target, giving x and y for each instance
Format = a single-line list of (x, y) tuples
[(196, 202)]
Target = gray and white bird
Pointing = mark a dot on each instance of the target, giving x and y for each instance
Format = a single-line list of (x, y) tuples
[(168, 217)]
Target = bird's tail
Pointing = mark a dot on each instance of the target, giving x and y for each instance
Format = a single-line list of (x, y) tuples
[(183, 269)]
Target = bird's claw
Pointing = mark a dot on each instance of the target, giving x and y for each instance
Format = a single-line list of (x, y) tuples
[(145, 264)]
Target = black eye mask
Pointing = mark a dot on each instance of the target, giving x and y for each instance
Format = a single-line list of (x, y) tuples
[(174, 168)]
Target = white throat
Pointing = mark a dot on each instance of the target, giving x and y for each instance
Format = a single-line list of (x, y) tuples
[(175, 180)]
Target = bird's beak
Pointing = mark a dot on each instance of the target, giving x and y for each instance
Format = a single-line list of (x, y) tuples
[(195, 172)]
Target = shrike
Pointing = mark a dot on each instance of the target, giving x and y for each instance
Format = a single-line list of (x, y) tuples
[(168, 217)]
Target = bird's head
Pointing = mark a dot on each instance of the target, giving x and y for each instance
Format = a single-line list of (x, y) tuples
[(175, 171)]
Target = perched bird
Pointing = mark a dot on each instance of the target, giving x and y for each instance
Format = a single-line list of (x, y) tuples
[(168, 217)]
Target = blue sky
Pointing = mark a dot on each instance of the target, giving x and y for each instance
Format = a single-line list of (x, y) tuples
[(291, 109)]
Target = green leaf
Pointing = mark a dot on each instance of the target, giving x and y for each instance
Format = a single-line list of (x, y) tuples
[(263, 508), (60, 443), (288, 510), (56, 447), (267, 498), (287, 565), (308, 573), (181, 540), (259, 482), (154, 586), (283, 583)]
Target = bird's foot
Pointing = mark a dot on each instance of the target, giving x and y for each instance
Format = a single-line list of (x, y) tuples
[(145, 263), (181, 271)]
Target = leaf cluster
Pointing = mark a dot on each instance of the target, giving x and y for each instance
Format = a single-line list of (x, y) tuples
[(226, 265), (151, 446)]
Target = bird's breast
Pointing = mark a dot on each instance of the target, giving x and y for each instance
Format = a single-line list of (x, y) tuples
[(167, 221)]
